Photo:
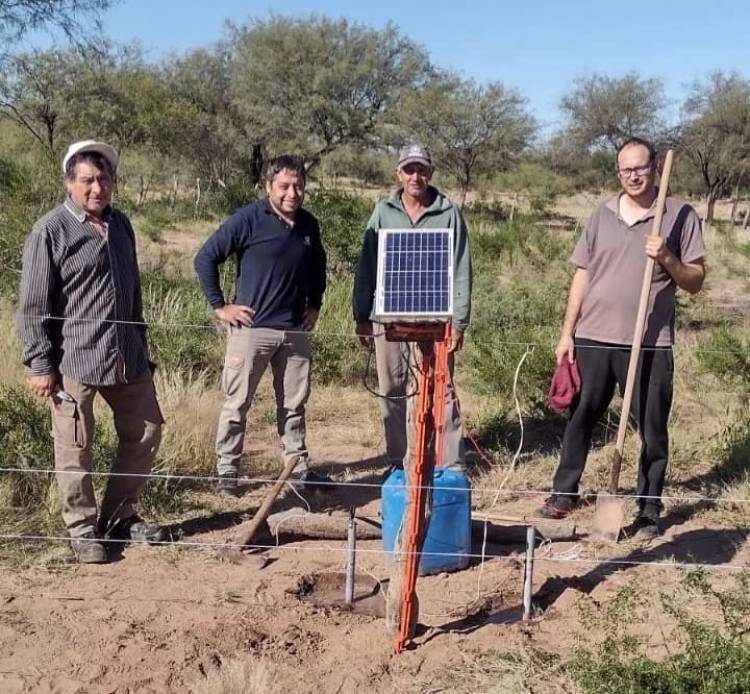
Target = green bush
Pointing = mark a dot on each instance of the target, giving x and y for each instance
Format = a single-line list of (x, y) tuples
[(343, 219), (25, 195), (181, 337), (521, 282), (337, 357), (712, 658), (725, 353)]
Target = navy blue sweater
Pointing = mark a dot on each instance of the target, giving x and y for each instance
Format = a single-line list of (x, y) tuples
[(281, 269)]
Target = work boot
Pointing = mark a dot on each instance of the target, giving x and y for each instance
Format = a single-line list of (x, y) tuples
[(227, 486), (134, 529), (644, 527), (557, 507), (314, 481), (88, 550)]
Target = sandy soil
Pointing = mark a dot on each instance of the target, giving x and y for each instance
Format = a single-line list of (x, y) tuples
[(159, 619)]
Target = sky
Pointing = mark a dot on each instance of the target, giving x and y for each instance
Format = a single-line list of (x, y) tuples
[(536, 46)]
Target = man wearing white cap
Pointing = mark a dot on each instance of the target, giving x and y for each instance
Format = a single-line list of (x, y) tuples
[(81, 321)]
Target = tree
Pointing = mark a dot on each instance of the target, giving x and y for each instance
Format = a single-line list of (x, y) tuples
[(312, 85), (211, 138), (715, 132), (604, 111), (472, 130), (72, 17), (36, 93)]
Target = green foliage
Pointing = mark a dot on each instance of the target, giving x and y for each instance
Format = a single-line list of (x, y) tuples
[(359, 164), (26, 193), (715, 134), (472, 129), (335, 96), (712, 658), (190, 347), (25, 430), (603, 111), (343, 219), (538, 182), (514, 308), (27, 443), (337, 357), (725, 353)]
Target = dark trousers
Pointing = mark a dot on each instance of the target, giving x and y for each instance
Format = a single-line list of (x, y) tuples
[(602, 367)]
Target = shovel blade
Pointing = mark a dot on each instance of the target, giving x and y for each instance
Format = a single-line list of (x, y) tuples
[(608, 518)]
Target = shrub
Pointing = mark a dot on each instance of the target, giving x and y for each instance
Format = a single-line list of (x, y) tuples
[(185, 339), (725, 353), (343, 219), (713, 658), (337, 357), (25, 429)]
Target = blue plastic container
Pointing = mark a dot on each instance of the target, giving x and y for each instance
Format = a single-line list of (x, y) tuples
[(448, 541)]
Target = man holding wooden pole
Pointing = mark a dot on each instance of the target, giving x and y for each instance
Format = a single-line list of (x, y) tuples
[(598, 327)]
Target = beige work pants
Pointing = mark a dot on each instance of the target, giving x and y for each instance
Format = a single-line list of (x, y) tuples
[(138, 421), (249, 352), (392, 359)]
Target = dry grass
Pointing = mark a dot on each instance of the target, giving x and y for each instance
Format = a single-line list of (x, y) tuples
[(11, 372), (248, 676), (520, 671)]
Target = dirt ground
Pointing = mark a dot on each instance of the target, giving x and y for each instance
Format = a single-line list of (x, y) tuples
[(163, 619)]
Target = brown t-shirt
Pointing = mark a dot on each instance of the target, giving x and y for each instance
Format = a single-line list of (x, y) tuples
[(614, 255)]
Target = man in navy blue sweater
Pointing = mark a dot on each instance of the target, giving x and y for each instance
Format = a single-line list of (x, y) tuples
[(281, 277)]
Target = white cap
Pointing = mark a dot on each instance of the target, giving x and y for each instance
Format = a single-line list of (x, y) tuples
[(92, 146)]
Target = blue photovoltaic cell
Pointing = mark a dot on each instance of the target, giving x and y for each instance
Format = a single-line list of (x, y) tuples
[(416, 272)]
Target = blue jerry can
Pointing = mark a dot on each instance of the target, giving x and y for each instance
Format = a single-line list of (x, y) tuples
[(448, 542)]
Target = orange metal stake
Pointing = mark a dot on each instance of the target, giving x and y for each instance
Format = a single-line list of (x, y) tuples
[(442, 351), (429, 419)]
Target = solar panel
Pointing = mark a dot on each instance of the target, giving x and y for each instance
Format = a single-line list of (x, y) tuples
[(415, 274)]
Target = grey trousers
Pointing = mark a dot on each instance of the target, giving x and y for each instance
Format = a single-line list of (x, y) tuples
[(249, 352), (392, 359), (138, 423)]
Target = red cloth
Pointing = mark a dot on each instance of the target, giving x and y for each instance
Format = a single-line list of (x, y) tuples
[(566, 384)]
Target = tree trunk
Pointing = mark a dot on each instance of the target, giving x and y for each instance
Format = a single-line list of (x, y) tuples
[(143, 191), (256, 163), (746, 221), (713, 194), (173, 200), (735, 201)]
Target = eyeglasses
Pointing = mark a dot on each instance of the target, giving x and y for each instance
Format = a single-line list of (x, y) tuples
[(637, 170)]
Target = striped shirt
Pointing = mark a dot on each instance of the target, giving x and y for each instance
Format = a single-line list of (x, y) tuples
[(76, 280)]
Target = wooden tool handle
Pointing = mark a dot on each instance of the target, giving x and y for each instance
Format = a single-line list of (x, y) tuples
[(640, 324), (265, 507)]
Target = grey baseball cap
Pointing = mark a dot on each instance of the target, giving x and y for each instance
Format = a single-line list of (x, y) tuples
[(414, 154)]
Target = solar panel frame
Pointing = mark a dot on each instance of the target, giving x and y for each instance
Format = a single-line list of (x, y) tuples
[(425, 256)]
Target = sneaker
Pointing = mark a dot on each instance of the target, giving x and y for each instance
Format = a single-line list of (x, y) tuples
[(557, 507), (227, 486), (88, 550), (644, 528), (134, 529)]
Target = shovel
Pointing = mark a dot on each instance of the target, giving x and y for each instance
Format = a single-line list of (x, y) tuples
[(246, 537), (610, 508)]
